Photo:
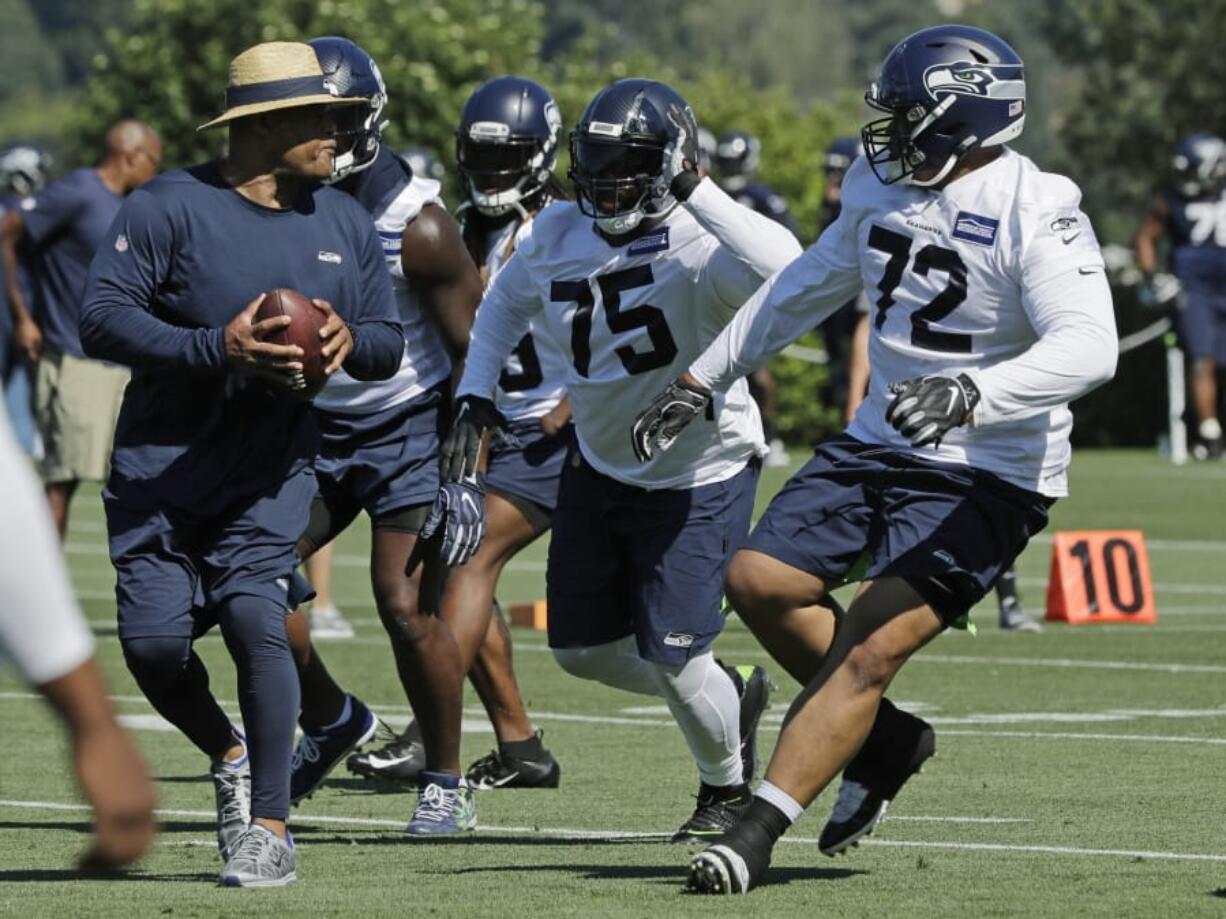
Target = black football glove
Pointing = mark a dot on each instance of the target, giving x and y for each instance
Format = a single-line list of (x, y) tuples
[(474, 415), (459, 514), (925, 409), (666, 417)]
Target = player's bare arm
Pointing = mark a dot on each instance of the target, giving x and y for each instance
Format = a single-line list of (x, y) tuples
[(1149, 235), (27, 336), (436, 262)]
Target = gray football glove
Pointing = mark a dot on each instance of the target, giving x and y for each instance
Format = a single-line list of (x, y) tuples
[(666, 417), (925, 409), (459, 515)]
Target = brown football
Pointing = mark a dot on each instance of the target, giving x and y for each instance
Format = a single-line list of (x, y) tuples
[(306, 319)]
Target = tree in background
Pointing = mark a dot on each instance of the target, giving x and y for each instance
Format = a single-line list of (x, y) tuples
[(169, 65), (1144, 74)]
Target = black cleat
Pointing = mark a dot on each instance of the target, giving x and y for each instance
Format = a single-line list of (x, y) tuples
[(399, 760), (735, 863), (502, 770), (897, 747), (754, 686), (717, 812)]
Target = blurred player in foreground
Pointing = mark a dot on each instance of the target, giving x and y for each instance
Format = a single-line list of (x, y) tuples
[(44, 635), (993, 312)]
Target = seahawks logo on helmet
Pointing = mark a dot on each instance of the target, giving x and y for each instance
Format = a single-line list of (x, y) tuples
[(971, 79)]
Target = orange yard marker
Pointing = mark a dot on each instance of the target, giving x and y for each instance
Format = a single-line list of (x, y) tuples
[(1100, 576), (530, 615)]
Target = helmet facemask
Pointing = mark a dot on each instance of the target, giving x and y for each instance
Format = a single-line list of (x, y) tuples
[(499, 172), (615, 180)]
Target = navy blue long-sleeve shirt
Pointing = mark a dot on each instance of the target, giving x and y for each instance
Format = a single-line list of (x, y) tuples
[(184, 256)]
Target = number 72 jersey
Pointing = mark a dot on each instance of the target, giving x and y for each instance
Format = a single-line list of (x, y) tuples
[(961, 280), (628, 319)]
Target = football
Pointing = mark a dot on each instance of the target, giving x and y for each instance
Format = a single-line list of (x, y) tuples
[(306, 320)]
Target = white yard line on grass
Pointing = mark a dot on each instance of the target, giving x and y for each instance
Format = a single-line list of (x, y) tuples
[(642, 717), (1076, 735), (1069, 662), (572, 833)]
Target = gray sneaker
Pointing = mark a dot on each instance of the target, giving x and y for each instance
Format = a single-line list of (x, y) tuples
[(261, 859), (327, 622), (232, 789)]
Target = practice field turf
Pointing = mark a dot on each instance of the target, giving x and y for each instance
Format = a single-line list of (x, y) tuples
[(1080, 771)]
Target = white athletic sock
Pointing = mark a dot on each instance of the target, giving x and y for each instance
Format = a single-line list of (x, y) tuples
[(615, 664), (1210, 429), (705, 705), (772, 794)]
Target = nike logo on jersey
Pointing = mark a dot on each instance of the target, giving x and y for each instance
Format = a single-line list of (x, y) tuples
[(1088, 269), (974, 228), (1070, 237)]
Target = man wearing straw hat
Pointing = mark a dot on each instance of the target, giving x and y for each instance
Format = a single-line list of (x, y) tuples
[(211, 477)]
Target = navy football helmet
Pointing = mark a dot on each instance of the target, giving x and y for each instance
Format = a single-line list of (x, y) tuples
[(737, 156), (24, 168), (354, 74), (946, 91), (507, 144), (1200, 165), (423, 163), (617, 152), (706, 149), (841, 153)]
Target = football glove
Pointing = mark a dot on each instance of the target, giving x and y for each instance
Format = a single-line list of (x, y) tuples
[(459, 513), (676, 175), (666, 417), (925, 409), (1159, 290), (474, 416)]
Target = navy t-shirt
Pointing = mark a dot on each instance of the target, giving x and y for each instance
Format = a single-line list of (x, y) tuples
[(66, 222), (185, 255)]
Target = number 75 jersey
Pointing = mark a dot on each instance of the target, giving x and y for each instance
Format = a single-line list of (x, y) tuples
[(961, 280), (629, 319)]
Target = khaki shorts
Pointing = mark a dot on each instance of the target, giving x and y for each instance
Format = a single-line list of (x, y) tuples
[(76, 405)]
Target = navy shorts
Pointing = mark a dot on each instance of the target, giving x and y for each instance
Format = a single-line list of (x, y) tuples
[(1202, 324), (949, 531), (173, 569), (531, 471), (627, 561), (383, 461)]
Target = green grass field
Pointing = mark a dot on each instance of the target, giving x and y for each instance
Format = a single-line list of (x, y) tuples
[(1080, 771)]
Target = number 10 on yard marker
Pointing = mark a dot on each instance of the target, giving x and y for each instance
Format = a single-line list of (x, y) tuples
[(1100, 576)]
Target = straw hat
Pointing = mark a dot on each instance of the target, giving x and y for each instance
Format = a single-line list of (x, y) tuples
[(276, 75)]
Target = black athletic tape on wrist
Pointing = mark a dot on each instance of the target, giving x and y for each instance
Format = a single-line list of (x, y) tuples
[(684, 183)]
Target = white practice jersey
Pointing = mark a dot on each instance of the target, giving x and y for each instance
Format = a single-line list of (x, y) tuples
[(530, 384), (998, 276), (629, 320), (425, 362)]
